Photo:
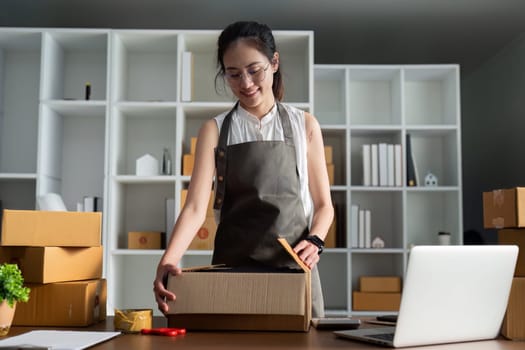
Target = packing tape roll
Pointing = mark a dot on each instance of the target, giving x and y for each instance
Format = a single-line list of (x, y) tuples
[(132, 320)]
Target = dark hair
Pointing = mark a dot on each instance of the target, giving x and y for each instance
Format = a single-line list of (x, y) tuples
[(260, 37)]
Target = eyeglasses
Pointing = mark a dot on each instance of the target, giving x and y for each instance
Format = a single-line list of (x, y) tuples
[(255, 74)]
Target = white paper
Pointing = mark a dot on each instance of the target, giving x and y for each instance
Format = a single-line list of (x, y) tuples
[(58, 340)]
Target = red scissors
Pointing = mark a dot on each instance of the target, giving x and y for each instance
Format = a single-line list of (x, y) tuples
[(170, 332)]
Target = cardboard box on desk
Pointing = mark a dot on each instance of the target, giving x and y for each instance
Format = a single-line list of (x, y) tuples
[(514, 322), (37, 228), (55, 264), (63, 304), (504, 208), (269, 301)]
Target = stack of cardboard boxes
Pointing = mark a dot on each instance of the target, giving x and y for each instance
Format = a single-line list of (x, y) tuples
[(330, 167), (377, 293), (60, 256), (504, 210), (205, 236)]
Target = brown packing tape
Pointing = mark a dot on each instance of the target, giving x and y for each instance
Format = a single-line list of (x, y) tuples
[(132, 320)]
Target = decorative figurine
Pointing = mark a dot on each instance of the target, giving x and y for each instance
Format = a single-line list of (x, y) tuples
[(431, 180)]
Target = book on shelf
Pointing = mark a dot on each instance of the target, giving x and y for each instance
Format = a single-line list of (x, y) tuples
[(187, 76), (368, 228), (412, 177), (367, 179), (398, 166), (383, 164), (374, 162), (361, 238), (354, 226), (391, 165), (90, 204)]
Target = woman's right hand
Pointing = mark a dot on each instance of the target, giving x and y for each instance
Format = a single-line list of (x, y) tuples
[(162, 295)]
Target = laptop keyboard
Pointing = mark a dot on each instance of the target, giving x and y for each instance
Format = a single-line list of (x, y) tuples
[(384, 336)]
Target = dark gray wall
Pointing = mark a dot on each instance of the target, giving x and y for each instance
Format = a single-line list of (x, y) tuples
[(493, 116), (473, 33)]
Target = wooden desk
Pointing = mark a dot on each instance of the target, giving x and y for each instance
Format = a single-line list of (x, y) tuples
[(258, 340)]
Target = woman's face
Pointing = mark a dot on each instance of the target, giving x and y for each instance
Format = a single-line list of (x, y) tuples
[(249, 74)]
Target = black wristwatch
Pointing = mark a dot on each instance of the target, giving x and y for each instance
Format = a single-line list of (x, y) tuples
[(318, 242)]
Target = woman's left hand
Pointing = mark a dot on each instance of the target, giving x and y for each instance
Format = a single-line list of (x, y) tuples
[(308, 253)]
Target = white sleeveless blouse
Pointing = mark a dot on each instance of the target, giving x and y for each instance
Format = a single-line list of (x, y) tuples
[(245, 127)]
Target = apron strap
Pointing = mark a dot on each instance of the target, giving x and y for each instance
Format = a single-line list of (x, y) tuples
[(222, 147)]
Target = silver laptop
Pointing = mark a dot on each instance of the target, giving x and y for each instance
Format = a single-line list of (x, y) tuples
[(450, 294)]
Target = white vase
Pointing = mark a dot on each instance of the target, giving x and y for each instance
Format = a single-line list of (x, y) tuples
[(7, 313)]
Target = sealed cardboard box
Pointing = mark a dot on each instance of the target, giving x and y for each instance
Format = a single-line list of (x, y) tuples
[(188, 160), (368, 301), (217, 300), (330, 168), (146, 240), (381, 284), (517, 237), (205, 237), (504, 208), (514, 322), (80, 303), (328, 154), (55, 264), (37, 228), (209, 210)]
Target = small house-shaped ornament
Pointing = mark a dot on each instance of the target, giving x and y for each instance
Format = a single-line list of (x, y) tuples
[(431, 180), (147, 165)]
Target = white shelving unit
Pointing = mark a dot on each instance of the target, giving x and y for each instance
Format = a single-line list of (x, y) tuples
[(78, 147), (369, 104), (53, 140)]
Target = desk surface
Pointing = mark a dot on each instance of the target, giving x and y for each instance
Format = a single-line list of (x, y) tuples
[(315, 339)]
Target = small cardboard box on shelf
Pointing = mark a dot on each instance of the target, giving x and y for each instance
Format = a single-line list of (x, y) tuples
[(372, 301), (277, 301), (381, 284), (146, 240), (55, 264), (37, 228), (504, 208)]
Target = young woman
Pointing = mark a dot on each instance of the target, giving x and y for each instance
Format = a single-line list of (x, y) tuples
[(269, 166)]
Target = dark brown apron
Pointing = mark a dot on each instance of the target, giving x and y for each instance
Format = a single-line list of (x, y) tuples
[(258, 193)]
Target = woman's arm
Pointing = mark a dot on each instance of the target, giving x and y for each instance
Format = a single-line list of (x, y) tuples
[(319, 186), (192, 214)]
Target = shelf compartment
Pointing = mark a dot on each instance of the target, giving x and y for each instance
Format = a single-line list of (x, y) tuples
[(17, 193), (388, 264), (386, 215), (337, 140), (135, 272), (375, 95), (72, 59), (436, 151), (333, 271), (145, 65), (429, 212), (330, 95), (20, 56), (72, 154), (193, 117), (431, 95), (142, 129), (339, 200), (203, 47), (360, 137), (296, 63), (137, 207)]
